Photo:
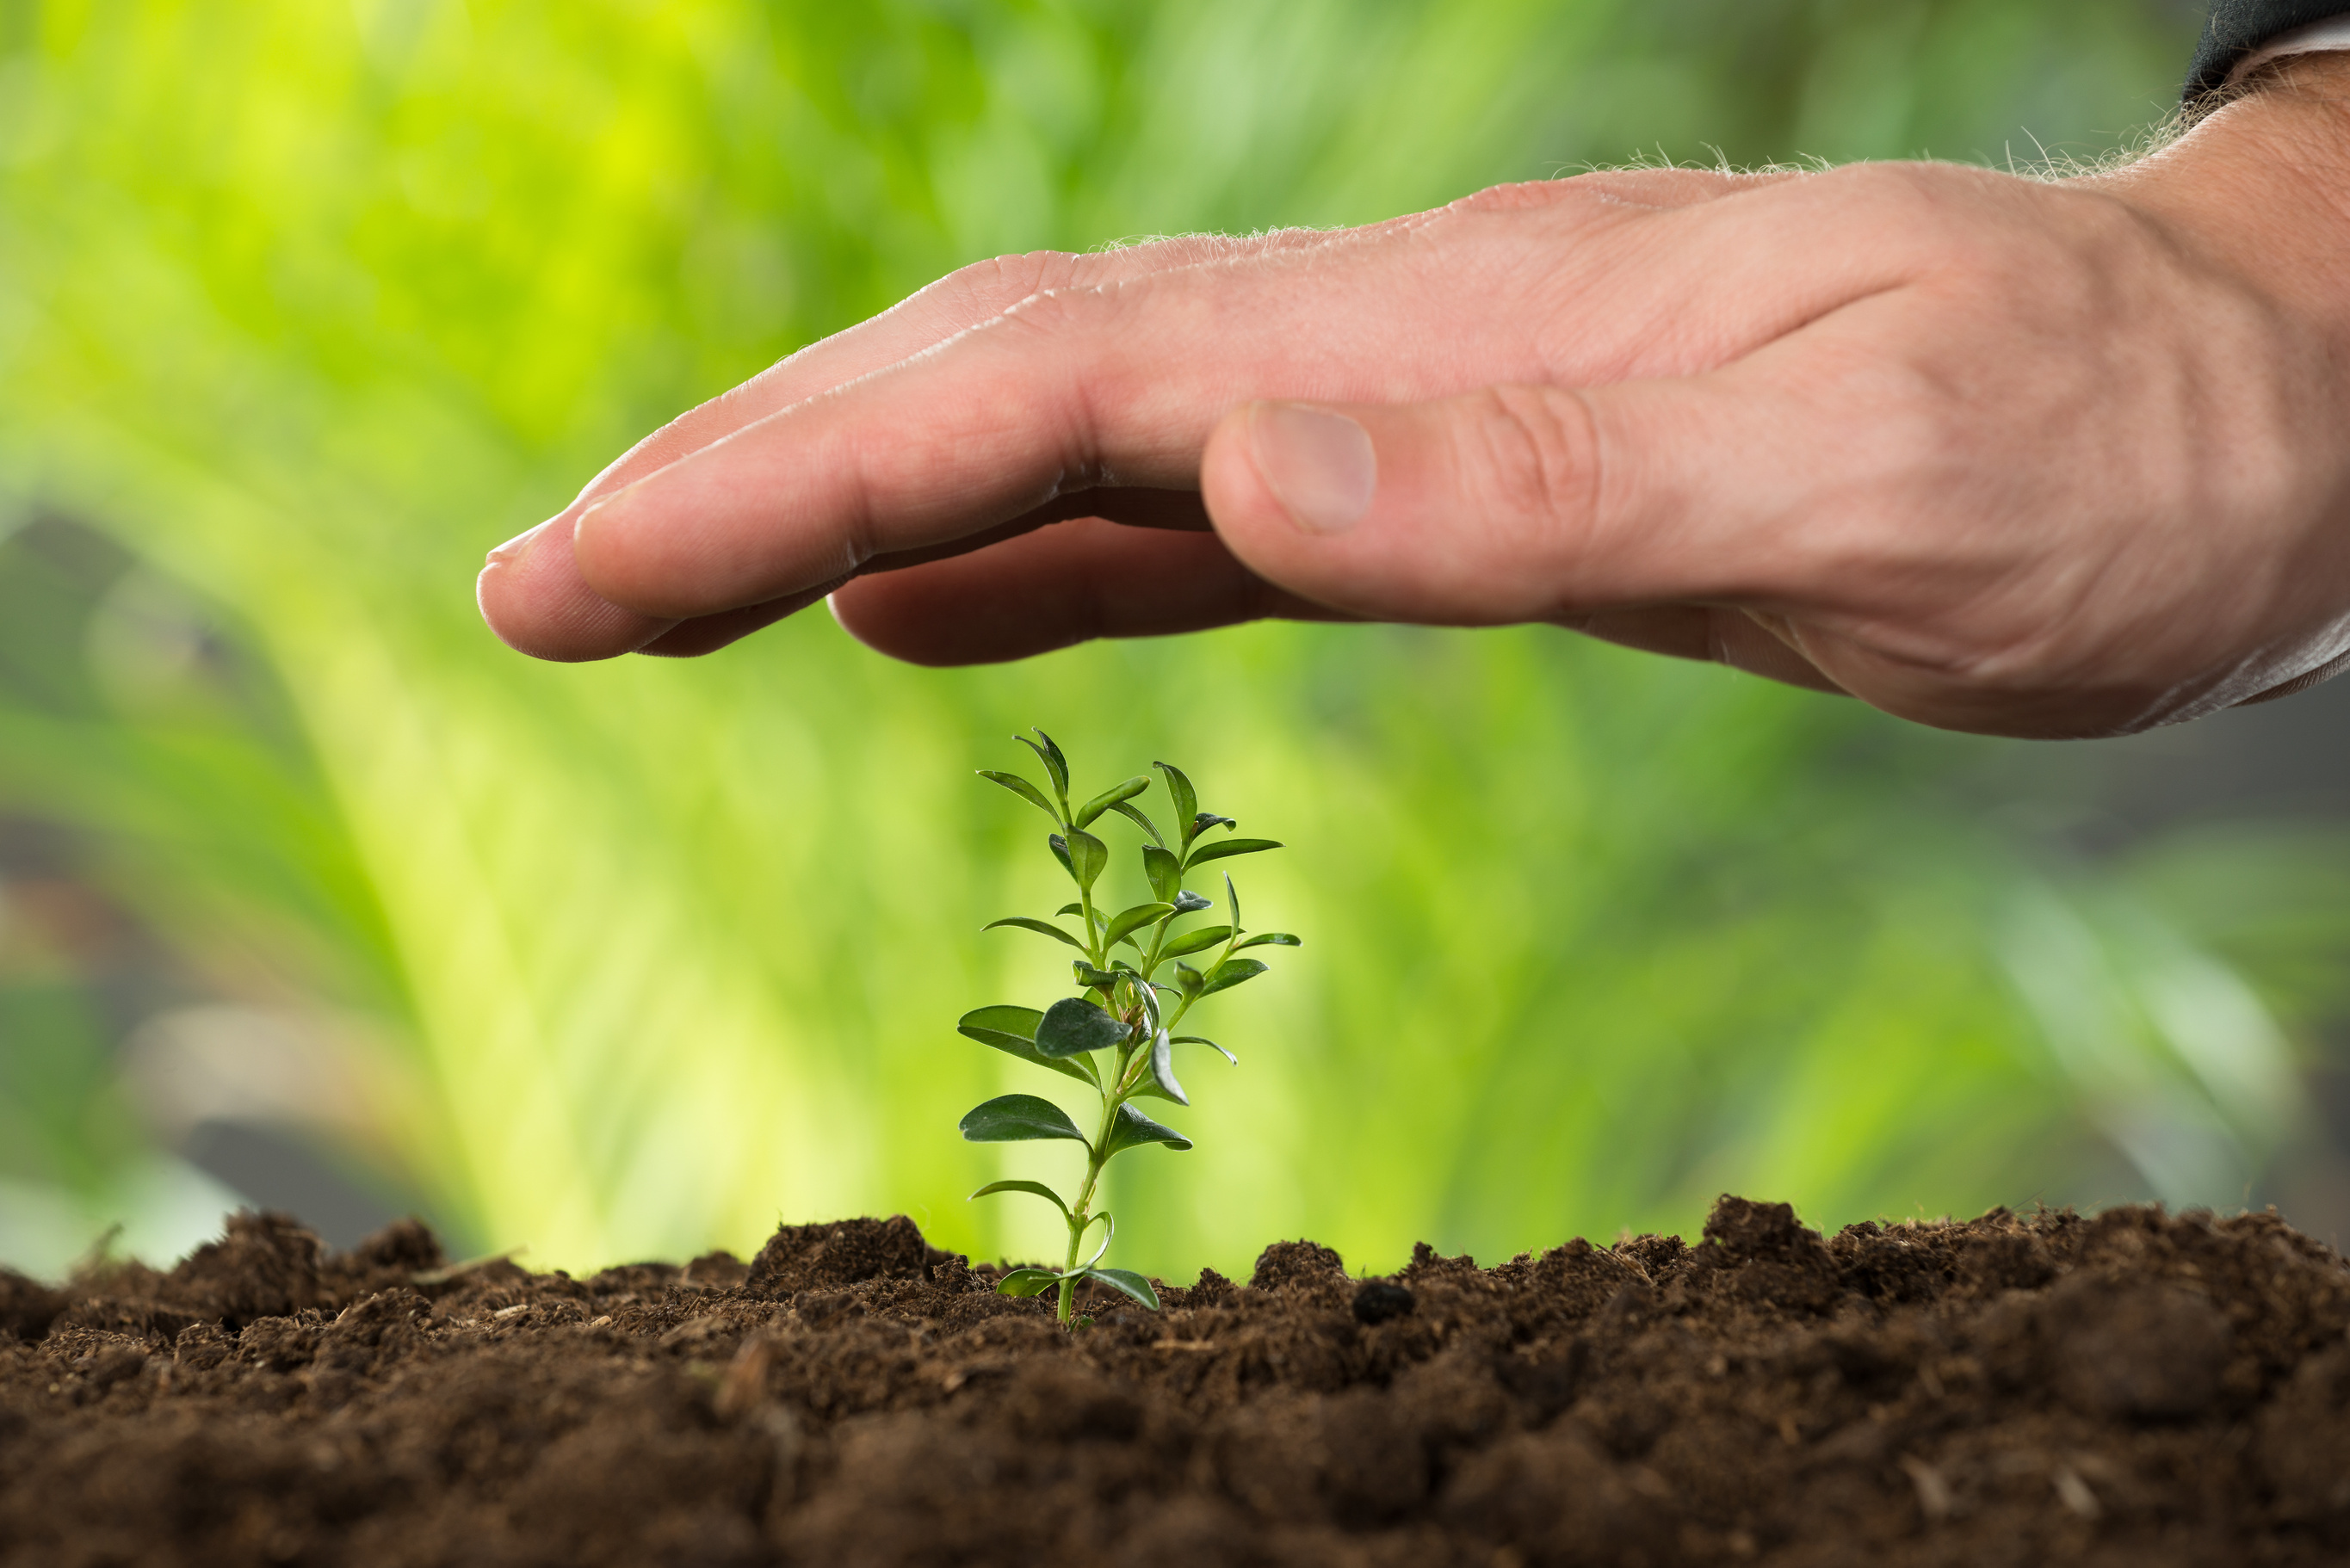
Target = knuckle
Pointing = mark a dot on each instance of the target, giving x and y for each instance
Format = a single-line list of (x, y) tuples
[(1530, 454)]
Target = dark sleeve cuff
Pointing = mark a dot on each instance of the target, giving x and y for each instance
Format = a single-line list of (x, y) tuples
[(2237, 27)]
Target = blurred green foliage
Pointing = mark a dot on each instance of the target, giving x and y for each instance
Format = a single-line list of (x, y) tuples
[(304, 305)]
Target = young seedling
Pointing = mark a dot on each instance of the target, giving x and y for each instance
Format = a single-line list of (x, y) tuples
[(1117, 1038)]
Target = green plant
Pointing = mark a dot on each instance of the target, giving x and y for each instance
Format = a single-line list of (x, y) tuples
[(1122, 1010)]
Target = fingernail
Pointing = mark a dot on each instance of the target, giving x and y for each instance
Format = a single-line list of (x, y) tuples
[(512, 552), (1318, 464)]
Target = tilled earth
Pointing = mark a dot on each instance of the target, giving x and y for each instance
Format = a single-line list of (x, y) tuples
[(2129, 1388)]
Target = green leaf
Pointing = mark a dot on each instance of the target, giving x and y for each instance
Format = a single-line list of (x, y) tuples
[(1127, 1282), (1012, 1030), (1126, 922), (1026, 1283), (1018, 1118), (1056, 764), (1042, 928), (1183, 798), (1230, 973), (1085, 857), (1024, 790), (1110, 797), (1164, 871), (1204, 1040), (1073, 1026), (1272, 938), (1195, 941), (1162, 1070), (1070, 910), (1060, 848), (1208, 819), (1188, 980), (1038, 1188), (1136, 815), (1190, 903), (1225, 847), (1131, 1128), (1092, 978), (1233, 900)]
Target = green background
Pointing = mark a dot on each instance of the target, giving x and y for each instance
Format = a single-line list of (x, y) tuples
[(303, 306)]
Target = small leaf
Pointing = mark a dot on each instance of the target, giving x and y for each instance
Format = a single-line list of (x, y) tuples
[(1131, 1128), (1141, 819), (1070, 910), (1129, 920), (1272, 938), (1092, 978), (1232, 901), (1183, 798), (1164, 871), (1230, 973), (1018, 1118), (1110, 797), (1073, 1026), (1087, 856), (1026, 1283), (1042, 928), (1056, 764), (1188, 980), (1038, 1188), (1024, 789), (1204, 1040), (1225, 847), (1060, 848), (1195, 941), (1208, 819), (1190, 903), (1127, 1282), (1012, 1030), (1108, 1237), (1162, 1070)]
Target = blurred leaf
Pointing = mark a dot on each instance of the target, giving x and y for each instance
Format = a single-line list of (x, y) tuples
[(1128, 1282), (1164, 872), (1038, 1188), (1189, 980), (1228, 846), (1204, 1040), (1024, 790), (1131, 1129), (1162, 1070), (1183, 800), (1230, 973), (1141, 819), (1195, 941), (1027, 1283), (1043, 928), (1109, 797), (1129, 920), (1270, 939), (1087, 855), (1018, 1118), (1073, 1026), (1056, 766), (1012, 1030)]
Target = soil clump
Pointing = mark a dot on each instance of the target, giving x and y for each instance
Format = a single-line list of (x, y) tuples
[(2130, 1387)]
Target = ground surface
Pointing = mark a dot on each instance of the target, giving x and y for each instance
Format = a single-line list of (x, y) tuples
[(2131, 1389)]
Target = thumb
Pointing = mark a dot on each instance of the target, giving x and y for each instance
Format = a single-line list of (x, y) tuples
[(1484, 509)]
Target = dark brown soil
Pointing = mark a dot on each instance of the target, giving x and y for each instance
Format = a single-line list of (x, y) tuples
[(2130, 1388)]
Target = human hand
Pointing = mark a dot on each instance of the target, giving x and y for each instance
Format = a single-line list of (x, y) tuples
[(1994, 454)]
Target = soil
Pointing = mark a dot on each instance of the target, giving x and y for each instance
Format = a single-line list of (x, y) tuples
[(2132, 1387)]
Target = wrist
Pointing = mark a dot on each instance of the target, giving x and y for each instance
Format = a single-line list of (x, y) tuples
[(2261, 187)]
